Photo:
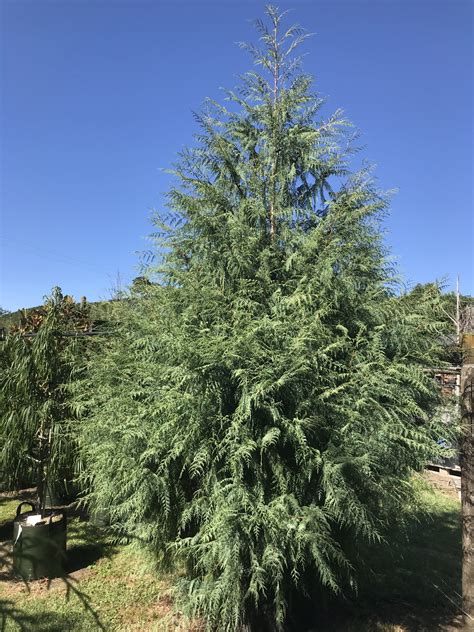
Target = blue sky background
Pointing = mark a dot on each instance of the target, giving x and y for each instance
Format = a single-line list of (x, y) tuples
[(97, 96)]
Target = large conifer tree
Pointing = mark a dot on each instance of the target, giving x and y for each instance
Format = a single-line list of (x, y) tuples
[(264, 400)]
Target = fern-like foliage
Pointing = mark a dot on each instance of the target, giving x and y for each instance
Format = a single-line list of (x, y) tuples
[(267, 401)]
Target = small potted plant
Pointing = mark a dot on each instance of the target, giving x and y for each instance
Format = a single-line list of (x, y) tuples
[(40, 358)]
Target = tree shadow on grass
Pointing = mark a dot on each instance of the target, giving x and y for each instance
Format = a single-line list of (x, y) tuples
[(419, 569), (6, 530), (412, 580), (87, 544), (12, 618)]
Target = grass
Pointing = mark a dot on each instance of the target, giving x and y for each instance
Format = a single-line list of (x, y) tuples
[(413, 580), (106, 588), (410, 584), (7, 509), (423, 564)]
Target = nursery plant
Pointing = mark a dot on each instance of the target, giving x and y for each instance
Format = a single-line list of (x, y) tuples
[(266, 399), (39, 358)]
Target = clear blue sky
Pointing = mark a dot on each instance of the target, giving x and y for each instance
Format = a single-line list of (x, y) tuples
[(98, 95)]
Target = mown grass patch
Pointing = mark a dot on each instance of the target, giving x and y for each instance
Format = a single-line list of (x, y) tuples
[(8, 508)]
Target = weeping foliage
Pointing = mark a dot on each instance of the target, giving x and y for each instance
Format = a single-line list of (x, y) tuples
[(37, 362), (266, 401)]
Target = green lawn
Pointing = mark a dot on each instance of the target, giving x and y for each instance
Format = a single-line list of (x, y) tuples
[(411, 583), (107, 588), (7, 508), (112, 594)]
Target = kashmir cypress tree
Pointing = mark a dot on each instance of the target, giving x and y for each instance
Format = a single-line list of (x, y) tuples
[(265, 402)]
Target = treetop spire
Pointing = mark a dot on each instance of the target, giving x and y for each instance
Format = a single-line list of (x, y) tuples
[(276, 53)]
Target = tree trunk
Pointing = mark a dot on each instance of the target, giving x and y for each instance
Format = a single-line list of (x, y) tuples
[(44, 455), (467, 478)]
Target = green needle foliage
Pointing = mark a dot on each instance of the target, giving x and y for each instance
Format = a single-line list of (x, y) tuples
[(37, 362), (265, 403)]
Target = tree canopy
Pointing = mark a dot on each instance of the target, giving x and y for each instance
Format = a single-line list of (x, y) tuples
[(264, 403)]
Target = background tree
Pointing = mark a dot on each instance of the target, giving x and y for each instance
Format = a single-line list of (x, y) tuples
[(39, 358), (265, 405)]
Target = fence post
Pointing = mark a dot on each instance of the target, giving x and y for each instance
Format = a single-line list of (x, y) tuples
[(467, 477)]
